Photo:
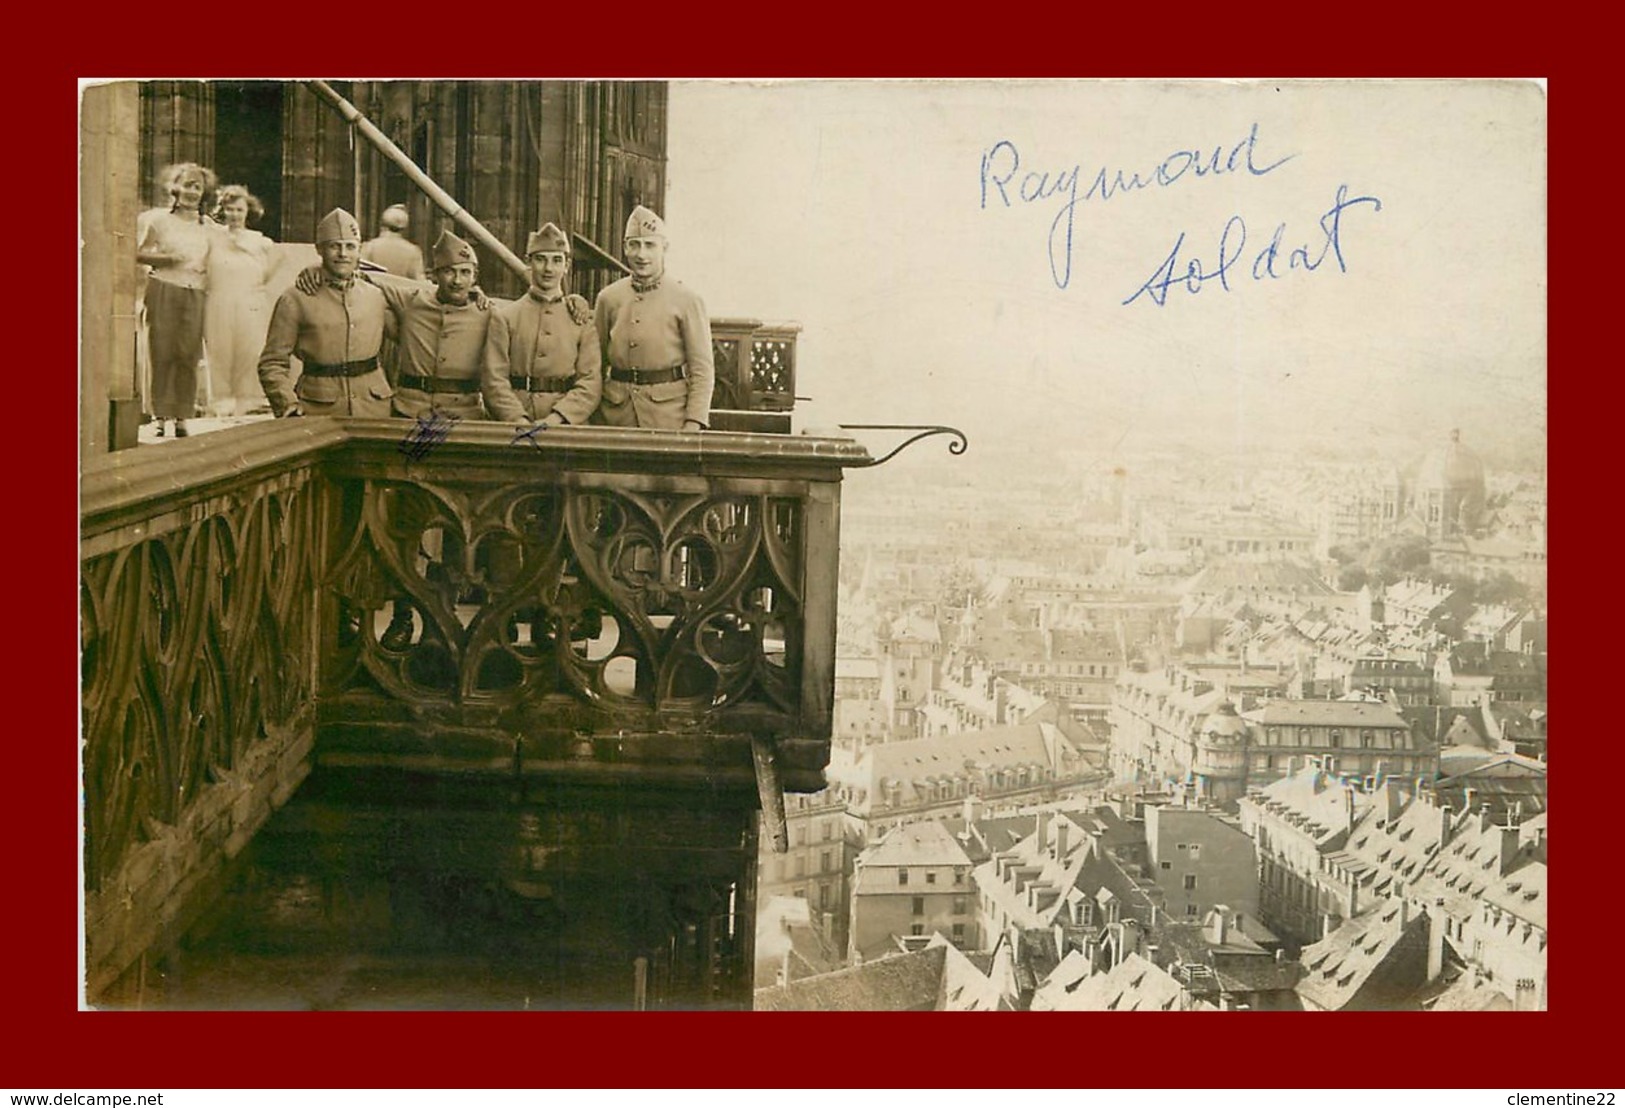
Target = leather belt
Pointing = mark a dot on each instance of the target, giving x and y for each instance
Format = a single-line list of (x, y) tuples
[(342, 369), (439, 384), (542, 384), (648, 376)]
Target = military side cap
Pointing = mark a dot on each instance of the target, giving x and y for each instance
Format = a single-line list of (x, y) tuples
[(336, 225), (448, 249), (548, 240), (643, 223)]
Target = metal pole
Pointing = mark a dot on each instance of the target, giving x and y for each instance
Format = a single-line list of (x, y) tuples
[(475, 229)]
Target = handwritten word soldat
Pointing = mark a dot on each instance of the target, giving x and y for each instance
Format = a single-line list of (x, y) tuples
[(1004, 182), (1275, 260)]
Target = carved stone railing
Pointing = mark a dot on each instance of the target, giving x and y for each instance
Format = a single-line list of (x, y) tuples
[(590, 607), (597, 605)]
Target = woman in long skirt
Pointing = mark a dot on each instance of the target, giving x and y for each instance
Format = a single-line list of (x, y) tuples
[(176, 245), (237, 312)]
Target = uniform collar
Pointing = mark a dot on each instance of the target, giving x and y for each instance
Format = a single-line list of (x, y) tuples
[(537, 295), (640, 285)]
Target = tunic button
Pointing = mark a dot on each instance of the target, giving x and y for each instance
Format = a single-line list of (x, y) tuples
[(634, 342)]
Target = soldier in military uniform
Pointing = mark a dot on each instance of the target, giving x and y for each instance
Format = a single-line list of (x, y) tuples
[(336, 334), (541, 353), (656, 340)]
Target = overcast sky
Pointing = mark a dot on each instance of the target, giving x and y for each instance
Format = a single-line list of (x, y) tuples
[(872, 213)]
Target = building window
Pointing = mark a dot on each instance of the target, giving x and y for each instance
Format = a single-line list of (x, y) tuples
[(824, 862), (930, 877), (916, 929), (1190, 882), (1365, 740), (961, 905), (1167, 865), (1337, 739), (902, 877), (959, 932), (1196, 851), (1190, 909), (959, 877), (918, 906)]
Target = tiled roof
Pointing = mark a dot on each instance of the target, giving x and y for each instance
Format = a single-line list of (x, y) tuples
[(1314, 803), (952, 756), (900, 983), (926, 843), (1134, 985), (1366, 949), (1325, 713), (1521, 893)]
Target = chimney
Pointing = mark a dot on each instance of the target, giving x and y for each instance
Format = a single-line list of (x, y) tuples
[(1043, 826), (973, 808), (1472, 794), (829, 926), (1348, 806), (1444, 826), (1404, 912), (1219, 925), (1061, 830)]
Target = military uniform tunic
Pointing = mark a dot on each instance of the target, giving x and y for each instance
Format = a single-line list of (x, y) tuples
[(439, 341), (535, 338), (650, 329), (343, 322)]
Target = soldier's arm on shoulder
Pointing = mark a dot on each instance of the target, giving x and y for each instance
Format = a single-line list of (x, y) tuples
[(397, 290)]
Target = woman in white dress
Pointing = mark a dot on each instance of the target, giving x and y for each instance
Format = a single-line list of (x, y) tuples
[(175, 243), (238, 311)]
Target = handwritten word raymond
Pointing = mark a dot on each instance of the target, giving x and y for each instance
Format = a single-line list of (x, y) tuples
[(1004, 182), (1273, 262)]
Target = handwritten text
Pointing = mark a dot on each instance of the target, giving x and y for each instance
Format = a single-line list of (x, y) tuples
[(1271, 263), (1003, 182)]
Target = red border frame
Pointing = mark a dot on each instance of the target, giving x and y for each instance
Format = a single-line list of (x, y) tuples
[(55, 1047)]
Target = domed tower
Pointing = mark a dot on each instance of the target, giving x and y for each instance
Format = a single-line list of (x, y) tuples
[(1221, 756), (1448, 493)]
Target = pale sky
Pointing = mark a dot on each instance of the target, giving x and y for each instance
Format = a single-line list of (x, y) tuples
[(862, 210)]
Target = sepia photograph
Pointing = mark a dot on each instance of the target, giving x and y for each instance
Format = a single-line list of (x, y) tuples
[(817, 545)]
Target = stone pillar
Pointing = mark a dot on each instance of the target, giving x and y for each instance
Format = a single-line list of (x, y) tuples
[(109, 125)]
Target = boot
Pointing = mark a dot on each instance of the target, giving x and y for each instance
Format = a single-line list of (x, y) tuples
[(397, 636)]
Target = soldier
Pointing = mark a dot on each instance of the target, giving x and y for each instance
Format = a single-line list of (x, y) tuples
[(442, 334), (541, 354), (336, 334), (656, 340), (392, 249)]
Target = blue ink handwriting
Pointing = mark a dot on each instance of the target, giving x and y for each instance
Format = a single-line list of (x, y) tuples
[(1273, 262), (1002, 162), (528, 434), (427, 433)]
